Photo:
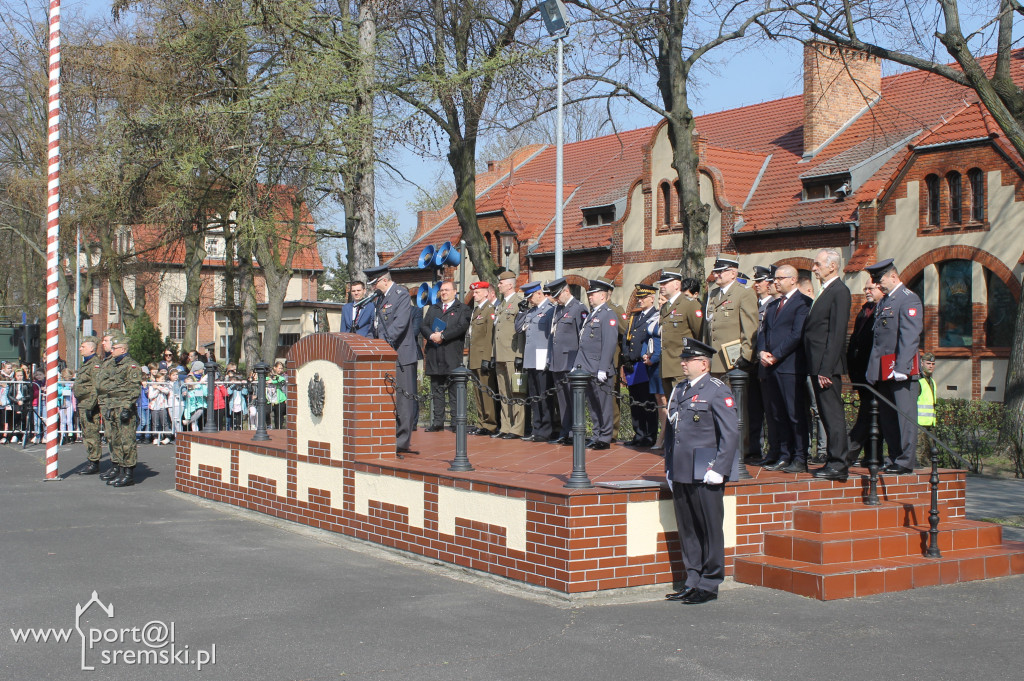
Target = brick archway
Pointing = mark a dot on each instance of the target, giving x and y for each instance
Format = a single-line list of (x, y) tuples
[(799, 263), (987, 260)]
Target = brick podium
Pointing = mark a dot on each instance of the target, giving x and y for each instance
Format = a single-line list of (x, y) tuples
[(511, 516)]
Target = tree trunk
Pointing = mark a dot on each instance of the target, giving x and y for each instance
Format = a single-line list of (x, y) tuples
[(195, 254), (232, 294), (249, 311), (1013, 395), (360, 211), (462, 158)]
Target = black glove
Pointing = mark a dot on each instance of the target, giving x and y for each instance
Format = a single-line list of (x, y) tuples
[(524, 305), (486, 365), (519, 363), (126, 416), (93, 413)]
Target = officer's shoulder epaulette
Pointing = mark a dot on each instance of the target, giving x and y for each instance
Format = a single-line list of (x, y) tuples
[(906, 291), (716, 381)]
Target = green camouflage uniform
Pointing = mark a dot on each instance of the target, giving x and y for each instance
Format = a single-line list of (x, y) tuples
[(118, 384), (84, 391)]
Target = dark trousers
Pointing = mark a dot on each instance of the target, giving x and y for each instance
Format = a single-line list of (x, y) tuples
[(700, 513), (538, 382), (602, 412), (833, 418), (790, 412), (406, 408), (862, 426), (757, 424), (437, 392), (645, 418), (564, 396), (899, 431)]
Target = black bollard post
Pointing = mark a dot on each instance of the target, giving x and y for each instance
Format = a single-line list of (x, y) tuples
[(579, 379), (261, 369), (460, 376), (211, 377), (933, 513), (874, 454), (738, 379)]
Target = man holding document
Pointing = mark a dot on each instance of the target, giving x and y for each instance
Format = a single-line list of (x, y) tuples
[(444, 326), (536, 324)]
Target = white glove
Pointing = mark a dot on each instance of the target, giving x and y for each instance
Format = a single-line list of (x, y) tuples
[(713, 478), (602, 376), (898, 376), (669, 481)]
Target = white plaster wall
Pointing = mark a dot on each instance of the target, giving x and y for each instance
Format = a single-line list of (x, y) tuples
[(993, 375), (634, 226), (270, 467), (209, 456), (953, 373), (645, 520), (390, 490), (316, 475), (330, 426), (507, 512)]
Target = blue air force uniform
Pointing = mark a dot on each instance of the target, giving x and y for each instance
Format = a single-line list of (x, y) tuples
[(702, 434), (536, 324), (599, 343), (566, 327)]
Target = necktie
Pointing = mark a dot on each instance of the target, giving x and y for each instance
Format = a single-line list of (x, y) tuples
[(782, 301)]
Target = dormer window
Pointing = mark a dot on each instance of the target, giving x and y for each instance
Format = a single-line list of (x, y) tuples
[(598, 215), (821, 188)]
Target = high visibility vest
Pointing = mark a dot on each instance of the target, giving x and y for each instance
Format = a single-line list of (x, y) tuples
[(926, 403)]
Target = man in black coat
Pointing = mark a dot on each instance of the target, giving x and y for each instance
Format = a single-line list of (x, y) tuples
[(824, 332), (857, 353), (780, 349), (444, 326)]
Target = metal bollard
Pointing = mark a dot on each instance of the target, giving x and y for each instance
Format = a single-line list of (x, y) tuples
[(874, 454), (738, 379), (933, 513), (211, 376), (460, 376), (579, 380), (261, 368)]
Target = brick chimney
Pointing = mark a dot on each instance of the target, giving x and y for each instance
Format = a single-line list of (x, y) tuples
[(838, 84)]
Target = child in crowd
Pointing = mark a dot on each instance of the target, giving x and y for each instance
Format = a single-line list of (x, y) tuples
[(38, 407), (66, 406), (159, 391), (220, 399), (20, 395), (195, 397), (6, 412), (175, 403), (237, 391), (143, 432)]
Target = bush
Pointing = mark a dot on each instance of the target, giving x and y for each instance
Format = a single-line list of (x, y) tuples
[(971, 428), (144, 342)]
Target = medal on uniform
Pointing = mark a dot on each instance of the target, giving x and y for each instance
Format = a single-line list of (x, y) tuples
[(696, 417)]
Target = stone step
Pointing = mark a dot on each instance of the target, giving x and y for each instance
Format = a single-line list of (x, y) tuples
[(887, 542), (850, 517)]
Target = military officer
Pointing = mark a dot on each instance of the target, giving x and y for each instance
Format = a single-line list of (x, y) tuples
[(893, 364), (535, 323), (623, 326), (681, 317), (700, 457), (104, 357), (599, 343), (508, 355), (84, 391), (566, 327), (643, 410), (731, 316), (480, 338), (119, 382), (394, 323), (760, 417)]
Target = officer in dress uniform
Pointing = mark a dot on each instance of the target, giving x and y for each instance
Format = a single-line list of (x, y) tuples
[(84, 390), (701, 448), (757, 406), (535, 323), (893, 364), (394, 323), (480, 338), (681, 317), (623, 326), (119, 381), (508, 355), (634, 345), (566, 327), (731, 316), (599, 343)]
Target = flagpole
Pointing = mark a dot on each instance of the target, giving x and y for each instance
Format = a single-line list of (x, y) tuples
[(52, 237)]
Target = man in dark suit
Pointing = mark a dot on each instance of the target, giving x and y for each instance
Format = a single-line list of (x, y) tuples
[(393, 322), (566, 326), (857, 353), (701, 446), (357, 318), (444, 326), (757, 408), (780, 349), (893, 365), (824, 333), (643, 409)]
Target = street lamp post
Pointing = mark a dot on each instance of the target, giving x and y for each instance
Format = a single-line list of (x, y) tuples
[(507, 239), (553, 12)]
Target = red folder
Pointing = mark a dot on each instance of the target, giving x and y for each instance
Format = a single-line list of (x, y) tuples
[(885, 367)]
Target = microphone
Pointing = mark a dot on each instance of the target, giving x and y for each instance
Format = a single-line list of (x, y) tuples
[(367, 300)]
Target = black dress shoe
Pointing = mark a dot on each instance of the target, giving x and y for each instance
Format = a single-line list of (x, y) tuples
[(600, 445), (827, 473), (112, 473), (763, 462), (508, 436), (894, 469), (700, 596), (565, 441), (91, 468), (776, 465), (433, 429), (680, 595), (529, 438), (483, 432), (496, 433), (796, 467), (127, 478)]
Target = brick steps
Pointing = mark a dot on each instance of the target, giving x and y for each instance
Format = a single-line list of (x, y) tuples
[(846, 550)]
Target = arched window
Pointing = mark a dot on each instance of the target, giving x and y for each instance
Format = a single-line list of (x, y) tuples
[(490, 246), (955, 304), (977, 181), (955, 198), (666, 204), (679, 203), (932, 184), (1002, 310)]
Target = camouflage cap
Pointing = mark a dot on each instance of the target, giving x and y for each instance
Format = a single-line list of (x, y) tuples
[(90, 339), (119, 338)]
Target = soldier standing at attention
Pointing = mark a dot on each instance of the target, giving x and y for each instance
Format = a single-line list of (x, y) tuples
[(634, 345), (565, 344), (599, 343), (623, 326), (731, 316), (480, 338), (535, 323), (681, 317), (84, 391), (119, 381), (508, 355), (700, 456)]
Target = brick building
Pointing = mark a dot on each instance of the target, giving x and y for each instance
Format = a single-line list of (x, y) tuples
[(910, 166)]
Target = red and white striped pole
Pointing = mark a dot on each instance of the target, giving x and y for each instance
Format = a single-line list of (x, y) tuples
[(52, 236)]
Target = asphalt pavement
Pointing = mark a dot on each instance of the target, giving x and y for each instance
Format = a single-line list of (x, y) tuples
[(281, 601)]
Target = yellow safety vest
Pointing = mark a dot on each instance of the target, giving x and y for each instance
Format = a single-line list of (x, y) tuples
[(926, 404)]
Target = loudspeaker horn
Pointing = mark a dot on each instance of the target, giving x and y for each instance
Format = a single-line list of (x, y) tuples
[(426, 257), (447, 255), (435, 293), (423, 295)]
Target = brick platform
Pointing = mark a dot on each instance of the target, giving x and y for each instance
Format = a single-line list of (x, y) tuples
[(511, 516)]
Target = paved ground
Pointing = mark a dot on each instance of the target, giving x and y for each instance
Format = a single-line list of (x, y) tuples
[(284, 602)]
